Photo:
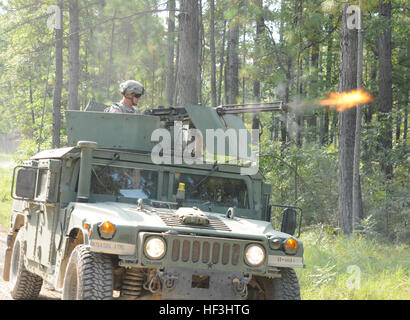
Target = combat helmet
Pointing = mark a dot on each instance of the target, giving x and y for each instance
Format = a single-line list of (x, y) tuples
[(132, 87)]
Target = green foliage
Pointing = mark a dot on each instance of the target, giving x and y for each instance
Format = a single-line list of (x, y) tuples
[(388, 203), (27, 60), (305, 177), (308, 177), (6, 172)]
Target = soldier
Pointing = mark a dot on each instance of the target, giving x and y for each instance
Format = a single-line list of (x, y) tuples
[(132, 92)]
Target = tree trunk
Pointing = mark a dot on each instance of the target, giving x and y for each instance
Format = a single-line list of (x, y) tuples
[(153, 79), (233, 65), (357, 213), (170, 84), (398, 126), (109, 68), (188, 53), (33, 118), (325, 129), (299, 114), (226, 71), (221, 65), (175, 99), (333, 129), (73, 56), (312, 120), (406, 115), (243, 63), (256, 83), (385, 88), (347, 123), (368, 111), (284, 125), (213, 57), (406, 102), (58, 82), (200, 51), (324, 134)]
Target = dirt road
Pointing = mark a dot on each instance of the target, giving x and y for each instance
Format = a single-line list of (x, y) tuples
[(45, 293)]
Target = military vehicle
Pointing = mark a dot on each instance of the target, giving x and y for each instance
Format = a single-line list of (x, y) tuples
[(101, 220)]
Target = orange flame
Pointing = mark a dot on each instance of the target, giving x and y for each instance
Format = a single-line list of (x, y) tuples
[(345, 100)]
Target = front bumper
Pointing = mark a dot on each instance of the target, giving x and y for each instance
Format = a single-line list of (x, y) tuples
[(197, 253), (181, 283)]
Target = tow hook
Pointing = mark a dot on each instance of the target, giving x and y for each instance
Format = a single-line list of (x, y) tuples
[(168, 280), (240, 285), (153, 282)]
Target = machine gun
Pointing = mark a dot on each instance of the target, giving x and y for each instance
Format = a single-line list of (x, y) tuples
[(180, 113)]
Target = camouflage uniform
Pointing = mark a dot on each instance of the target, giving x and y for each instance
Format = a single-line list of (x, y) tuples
[(121, 108)]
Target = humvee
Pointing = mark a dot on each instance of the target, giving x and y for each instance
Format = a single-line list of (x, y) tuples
[(101, 220)]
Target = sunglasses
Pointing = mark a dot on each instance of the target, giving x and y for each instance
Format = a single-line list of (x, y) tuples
[(139, 95)]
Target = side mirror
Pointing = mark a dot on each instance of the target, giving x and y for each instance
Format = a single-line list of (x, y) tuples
[(26, 183), (289, 221)]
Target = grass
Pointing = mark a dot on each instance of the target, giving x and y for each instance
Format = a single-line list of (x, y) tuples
[(356, 268), (337, 267), (5, 184)]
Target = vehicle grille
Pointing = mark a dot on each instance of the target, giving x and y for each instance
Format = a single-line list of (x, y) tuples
[(172, 220), (205, 251)]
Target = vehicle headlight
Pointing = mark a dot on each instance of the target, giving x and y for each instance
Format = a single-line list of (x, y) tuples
[(254, 255), (155, 248)]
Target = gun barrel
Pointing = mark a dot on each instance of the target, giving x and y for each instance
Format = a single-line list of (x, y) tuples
[(255, 108)]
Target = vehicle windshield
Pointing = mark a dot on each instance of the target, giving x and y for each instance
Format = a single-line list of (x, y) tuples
[(224, 192), (137, 183), (126, 182)]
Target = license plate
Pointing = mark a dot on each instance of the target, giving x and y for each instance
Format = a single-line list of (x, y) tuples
[(280, 261), (112, 247)]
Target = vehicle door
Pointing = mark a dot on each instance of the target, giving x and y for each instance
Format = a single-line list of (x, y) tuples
[(35, 190)]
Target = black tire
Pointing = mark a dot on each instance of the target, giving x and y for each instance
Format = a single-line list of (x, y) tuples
[(89, 276), (24, 285), (285, 288)]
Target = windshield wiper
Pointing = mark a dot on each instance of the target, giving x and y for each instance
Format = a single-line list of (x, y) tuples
[(114, 158), (97, 173), (195, 187)]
